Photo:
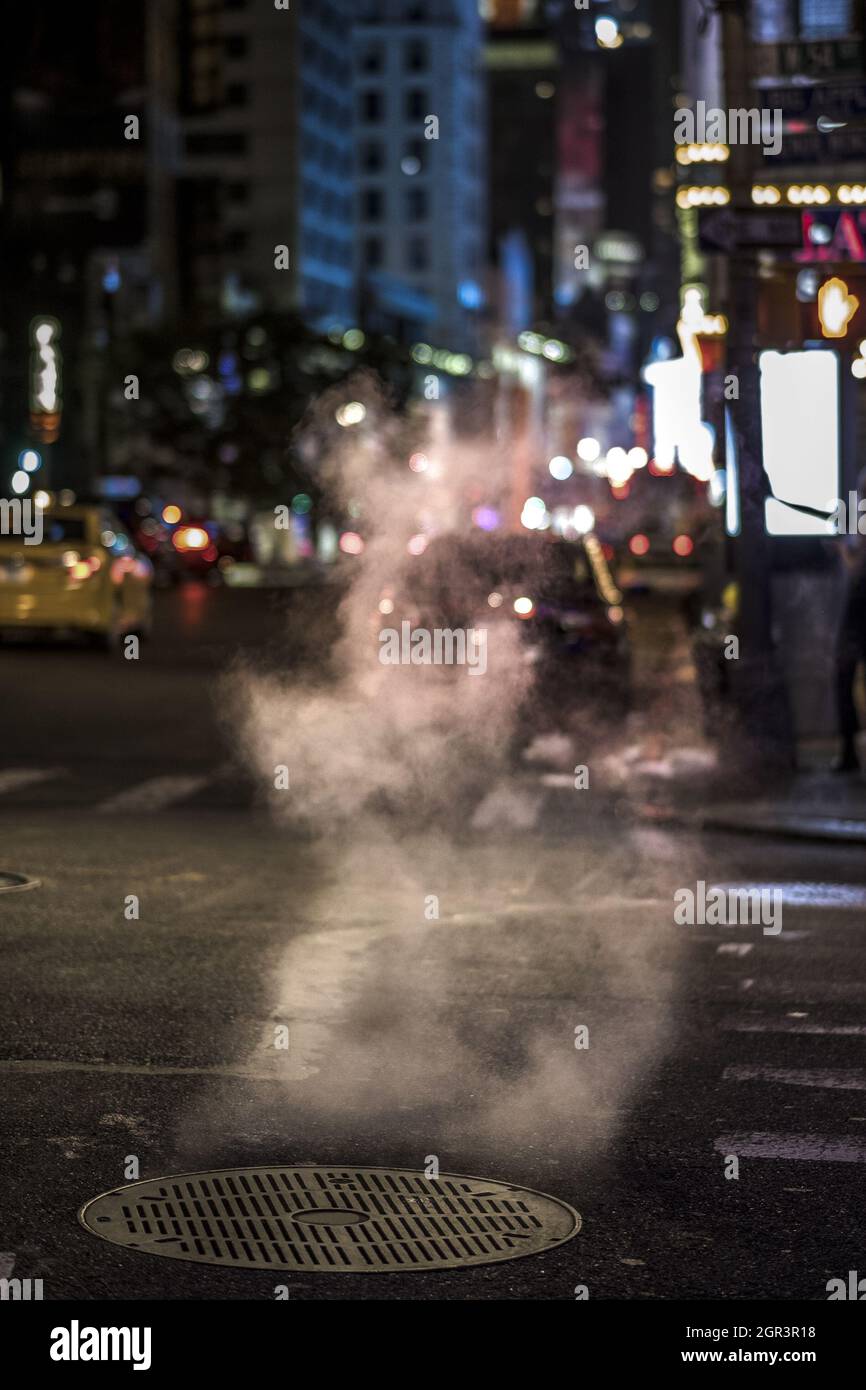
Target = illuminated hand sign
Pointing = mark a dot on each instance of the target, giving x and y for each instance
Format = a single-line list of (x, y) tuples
[(836, 308)]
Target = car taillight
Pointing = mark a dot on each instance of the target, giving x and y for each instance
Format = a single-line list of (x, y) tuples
[(191, 538), (121, 567), (79, 568)]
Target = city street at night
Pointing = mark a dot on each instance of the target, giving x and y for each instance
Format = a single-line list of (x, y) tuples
[(453, 1037), (432, 675)]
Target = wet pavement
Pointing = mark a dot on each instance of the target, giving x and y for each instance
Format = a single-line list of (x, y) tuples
[(435, 987)]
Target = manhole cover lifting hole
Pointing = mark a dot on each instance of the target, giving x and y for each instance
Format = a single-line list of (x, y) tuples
[(312, 1217), (16, 883)]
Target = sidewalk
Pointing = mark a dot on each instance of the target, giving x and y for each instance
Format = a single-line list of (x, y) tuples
[(812, 804), (252, 576)]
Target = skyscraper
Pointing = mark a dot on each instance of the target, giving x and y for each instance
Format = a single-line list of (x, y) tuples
[(266, 161), (421, 152), (522, 60), (73, 217)]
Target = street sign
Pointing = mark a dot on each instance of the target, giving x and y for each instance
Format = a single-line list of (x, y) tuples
[(839, 105), (725, 229), (824, 60)]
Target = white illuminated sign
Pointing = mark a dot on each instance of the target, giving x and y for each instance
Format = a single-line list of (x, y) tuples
[(678, 430), (800, 424)]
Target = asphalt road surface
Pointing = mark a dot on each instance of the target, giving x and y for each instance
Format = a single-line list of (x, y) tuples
[(410, 1036)]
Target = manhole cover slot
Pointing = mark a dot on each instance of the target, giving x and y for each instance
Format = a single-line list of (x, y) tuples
[(16, 883), (314, 1217)]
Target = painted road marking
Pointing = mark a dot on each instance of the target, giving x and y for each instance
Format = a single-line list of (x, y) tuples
[(839, 895), (245, 1073), (508, 807), (154, 794), (799, 1148), (825, 1078), (12, 778), (788, 1025)]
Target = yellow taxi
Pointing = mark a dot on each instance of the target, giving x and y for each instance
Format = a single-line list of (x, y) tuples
[(73, 569)]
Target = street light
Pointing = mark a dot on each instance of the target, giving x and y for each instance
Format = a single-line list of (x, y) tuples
[(352, 413), (560, 468), (588, 450), (607, 32), (534, 515)]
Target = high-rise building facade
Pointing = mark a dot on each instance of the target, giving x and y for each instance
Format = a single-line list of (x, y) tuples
[(522, 60), (421, 167), (267, 157), (777, 21), (74, 212)]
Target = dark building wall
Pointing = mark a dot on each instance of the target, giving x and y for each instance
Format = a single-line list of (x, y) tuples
[(72, 186), (631, 117), (521, 189)]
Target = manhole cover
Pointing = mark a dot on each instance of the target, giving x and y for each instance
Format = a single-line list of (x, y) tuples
[(16, 883), (370, 1220)]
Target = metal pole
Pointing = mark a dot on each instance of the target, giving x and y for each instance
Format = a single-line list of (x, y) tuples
[(764, 738)]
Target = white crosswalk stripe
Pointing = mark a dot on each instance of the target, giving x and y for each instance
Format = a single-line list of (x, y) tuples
[(807, 1023), (825, 1078), (851, 896), (793, 1025), (802, 1148), (13, 778), (155, 794)]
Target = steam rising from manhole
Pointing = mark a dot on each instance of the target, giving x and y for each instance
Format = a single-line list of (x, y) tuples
[(313, 1217)]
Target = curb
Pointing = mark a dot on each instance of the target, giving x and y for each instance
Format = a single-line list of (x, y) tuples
[(776, 823)]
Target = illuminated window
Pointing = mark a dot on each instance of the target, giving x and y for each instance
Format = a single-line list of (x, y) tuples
[(826, 19)]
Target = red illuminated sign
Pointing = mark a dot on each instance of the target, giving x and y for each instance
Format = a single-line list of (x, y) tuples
[(833, 236)]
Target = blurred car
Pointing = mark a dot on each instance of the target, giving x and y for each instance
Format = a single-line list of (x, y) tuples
[(85, 576), (193, 551), (559, 594), (193, 548), (659, 561)]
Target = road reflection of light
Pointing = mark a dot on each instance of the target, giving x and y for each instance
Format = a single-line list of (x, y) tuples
[(371, 999), (799, 894), (193, 596)]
